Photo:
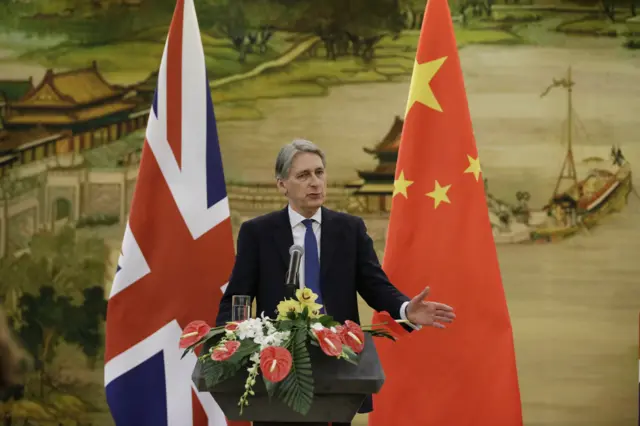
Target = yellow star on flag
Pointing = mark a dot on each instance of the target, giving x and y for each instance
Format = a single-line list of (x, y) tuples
[(474, 167), (400, 185), (419, 89), (439, 194)]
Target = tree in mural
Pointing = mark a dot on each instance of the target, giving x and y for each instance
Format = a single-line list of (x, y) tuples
[(89, 318), (248, 24), (476, 7), (68, 263), (49, 317), (60, 260), (347, 27), (412, 12), (59, 285)]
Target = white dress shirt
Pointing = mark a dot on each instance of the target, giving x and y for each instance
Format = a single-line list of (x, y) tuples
[(299, 229)]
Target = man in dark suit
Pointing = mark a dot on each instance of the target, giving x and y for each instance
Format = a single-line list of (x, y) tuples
[(339, 260)]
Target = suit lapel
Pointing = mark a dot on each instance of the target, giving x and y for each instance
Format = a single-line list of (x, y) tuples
[(328, 240), (283, 235)]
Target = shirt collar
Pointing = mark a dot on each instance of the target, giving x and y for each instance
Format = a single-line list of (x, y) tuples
[(296, 218)]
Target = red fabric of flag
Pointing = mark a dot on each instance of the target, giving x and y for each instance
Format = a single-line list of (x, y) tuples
[(440, 235)]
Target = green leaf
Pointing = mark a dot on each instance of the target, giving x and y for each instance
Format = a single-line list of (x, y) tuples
[(312, 338), (349, 355), (247, 347), (327, 321), (296, 390), (305, 313), (300, 323), (284, 325), (379, 332), (215, 372), (271, 387)]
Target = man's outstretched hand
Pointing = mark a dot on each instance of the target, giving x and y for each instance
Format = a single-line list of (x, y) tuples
[(434, 314)]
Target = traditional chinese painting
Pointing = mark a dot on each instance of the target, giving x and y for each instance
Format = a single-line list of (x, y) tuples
[(553, 94)]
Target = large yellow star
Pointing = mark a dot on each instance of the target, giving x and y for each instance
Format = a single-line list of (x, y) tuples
[(439, 194), (420, 90), (400, 185), (474, 167)]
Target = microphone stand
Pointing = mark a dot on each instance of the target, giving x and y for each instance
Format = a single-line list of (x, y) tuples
[(290, 289), (292, 279)]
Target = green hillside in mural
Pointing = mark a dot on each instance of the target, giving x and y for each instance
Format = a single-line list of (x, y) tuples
[(311, 45), (283, 48)]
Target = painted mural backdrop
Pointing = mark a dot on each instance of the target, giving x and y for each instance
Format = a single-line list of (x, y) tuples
[(555, 98)]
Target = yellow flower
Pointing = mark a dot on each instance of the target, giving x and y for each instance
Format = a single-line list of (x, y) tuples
[(306, 296), (314, 310), (307, 299), (287, 306)]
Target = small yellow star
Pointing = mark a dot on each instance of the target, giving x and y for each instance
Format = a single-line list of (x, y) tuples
[(419, 89), (400, 185), (439, 194), (474, 167)]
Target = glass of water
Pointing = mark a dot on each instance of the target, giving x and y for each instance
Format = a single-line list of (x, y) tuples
[(240, 308)]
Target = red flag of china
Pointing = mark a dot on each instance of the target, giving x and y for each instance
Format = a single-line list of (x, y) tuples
[(440, 235)]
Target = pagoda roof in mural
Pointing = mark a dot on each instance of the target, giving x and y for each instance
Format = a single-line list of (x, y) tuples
[(68, 99), (391, 141), (70, 88)]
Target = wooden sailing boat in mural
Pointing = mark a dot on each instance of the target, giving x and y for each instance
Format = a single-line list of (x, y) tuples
[(585, 202)]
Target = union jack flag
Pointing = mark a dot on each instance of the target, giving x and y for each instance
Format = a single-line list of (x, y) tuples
[(177, 251)]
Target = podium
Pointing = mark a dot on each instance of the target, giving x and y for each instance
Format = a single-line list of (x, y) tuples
[(339, 390)]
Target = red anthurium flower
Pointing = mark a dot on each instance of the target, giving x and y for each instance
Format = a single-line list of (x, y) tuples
[(224, 352), (391, 325), (330, 342), (232, 326), (193, 332), (340, 332), (352, 335), (275, 363)]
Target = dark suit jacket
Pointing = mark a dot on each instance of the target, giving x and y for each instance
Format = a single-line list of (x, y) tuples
[(348, 266)]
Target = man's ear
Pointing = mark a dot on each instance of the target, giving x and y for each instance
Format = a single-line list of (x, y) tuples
[(281, 186)]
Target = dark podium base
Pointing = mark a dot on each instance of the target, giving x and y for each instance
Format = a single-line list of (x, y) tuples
[(339, 390), (297, 424), (340, 408)]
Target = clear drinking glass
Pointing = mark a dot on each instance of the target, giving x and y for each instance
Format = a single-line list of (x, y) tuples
[(240, 308)]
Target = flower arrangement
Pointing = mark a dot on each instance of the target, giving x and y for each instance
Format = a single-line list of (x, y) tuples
[(278, 348)]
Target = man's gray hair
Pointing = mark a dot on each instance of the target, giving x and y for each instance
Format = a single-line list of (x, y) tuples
[(289, 151)]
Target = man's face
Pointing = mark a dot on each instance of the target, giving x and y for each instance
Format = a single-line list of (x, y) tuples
[(305, 185)]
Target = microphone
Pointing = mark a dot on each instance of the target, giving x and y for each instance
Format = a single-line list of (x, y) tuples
[(296, 252)]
